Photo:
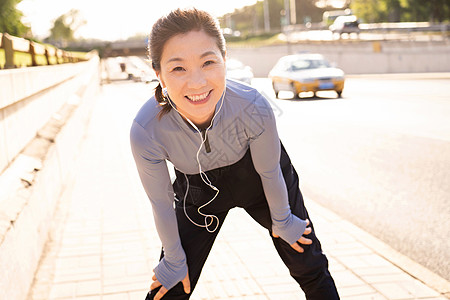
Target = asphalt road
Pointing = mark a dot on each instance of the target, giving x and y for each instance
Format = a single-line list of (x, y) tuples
[(379, 157)]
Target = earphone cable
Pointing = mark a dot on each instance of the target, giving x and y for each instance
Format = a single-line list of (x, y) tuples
[(202, 174)]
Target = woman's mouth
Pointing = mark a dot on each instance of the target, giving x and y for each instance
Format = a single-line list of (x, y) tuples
[(199, 98)]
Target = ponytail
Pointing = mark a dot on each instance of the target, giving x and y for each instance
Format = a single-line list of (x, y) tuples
[(162, 101)]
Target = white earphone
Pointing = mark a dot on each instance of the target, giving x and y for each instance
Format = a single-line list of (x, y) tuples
[(203, 175)]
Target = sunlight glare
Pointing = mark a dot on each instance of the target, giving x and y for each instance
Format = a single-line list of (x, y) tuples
[(113, 19)]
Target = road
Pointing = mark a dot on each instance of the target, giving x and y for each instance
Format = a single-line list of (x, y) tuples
[(379, 157)]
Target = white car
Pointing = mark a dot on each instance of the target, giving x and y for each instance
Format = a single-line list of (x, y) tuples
[(238, 71), (345, 24), (306, 73)]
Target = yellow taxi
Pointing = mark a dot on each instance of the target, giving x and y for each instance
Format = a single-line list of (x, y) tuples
[(300, 73)]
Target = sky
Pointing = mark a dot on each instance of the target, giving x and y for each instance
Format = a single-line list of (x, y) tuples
[(114, 19)]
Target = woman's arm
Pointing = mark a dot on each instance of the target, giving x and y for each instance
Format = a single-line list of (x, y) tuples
[(265, 150), (156, 181)]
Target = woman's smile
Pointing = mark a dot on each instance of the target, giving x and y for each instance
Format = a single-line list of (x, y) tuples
[(199, 98)]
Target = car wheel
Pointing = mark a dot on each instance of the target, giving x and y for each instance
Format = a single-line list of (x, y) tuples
[(294, 90), (339, 93), (275, 90)]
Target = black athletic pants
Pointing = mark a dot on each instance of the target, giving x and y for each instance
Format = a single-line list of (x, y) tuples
[(240, 186)]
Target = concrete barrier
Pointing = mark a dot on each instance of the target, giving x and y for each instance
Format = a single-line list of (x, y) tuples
[(355, 57), (43, 133), (28, 98)]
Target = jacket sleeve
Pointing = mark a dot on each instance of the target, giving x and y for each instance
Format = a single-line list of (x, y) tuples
[(154, 175), (265, 150)]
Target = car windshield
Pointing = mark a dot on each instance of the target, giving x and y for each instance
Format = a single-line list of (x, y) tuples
[(233, 64), (346, 19), (303, 64)]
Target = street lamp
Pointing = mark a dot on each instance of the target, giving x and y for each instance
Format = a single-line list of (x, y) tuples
[(293, 11), (266, 15), (287, 13), (285, 24)]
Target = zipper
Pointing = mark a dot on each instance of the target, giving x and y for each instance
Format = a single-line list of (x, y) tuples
[(207, 146)]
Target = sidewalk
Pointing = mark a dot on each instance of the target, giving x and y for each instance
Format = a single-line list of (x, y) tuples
[(106, 244)]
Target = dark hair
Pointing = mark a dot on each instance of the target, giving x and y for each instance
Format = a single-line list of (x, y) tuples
[(179, 21)]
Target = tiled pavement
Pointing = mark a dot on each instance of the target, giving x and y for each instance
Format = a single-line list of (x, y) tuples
[(106, 245)]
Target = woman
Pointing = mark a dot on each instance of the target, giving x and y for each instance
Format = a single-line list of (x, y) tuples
[(221, 137)]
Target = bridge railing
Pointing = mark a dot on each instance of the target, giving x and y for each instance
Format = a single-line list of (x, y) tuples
[(38, 54)]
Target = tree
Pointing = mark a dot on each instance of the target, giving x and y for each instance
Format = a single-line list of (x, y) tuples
[(372, 11), (394, 12), (10, 18), (64, 27), (432, 10), (307, 11)]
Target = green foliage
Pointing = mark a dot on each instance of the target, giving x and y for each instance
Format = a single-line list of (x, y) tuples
[(249, 20), (372, 11), (263, 39), (61, 31), (64, 27), (369, 11), (431, 10), (10, 18), (306, 11)]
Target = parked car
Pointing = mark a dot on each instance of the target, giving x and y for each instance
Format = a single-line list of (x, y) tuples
[(306, 73), (345, 24), (238, 71)]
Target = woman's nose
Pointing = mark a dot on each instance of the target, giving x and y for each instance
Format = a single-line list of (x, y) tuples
[(197, 80)]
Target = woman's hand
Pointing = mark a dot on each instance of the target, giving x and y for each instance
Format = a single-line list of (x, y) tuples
[(301, 240), (162, 291)]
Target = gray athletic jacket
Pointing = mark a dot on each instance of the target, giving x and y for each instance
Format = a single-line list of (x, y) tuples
[(244, 120)]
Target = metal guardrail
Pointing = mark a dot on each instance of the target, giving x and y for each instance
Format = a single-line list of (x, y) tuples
[(385, 27), (408, 26), (12, 44), (401, 31)]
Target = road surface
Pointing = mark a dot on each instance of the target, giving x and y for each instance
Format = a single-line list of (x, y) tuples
[(379, 157)]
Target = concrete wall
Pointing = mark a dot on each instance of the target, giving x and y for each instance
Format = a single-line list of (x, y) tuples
[(31, 185), (356, 57), (28, 98)]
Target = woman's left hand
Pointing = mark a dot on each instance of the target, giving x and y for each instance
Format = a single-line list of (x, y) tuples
[(301, 240), (162, 291)]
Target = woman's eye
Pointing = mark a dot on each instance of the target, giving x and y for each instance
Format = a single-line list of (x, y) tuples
[(208, 62), (178, 69)]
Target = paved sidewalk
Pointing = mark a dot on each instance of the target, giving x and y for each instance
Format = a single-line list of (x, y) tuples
[(106, 244)]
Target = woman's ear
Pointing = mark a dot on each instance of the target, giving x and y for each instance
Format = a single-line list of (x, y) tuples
[(158, 75)]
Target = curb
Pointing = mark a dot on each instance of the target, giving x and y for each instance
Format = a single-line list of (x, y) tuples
[(401, 261), (402, 76)]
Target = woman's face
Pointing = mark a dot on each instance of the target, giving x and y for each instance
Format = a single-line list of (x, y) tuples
[(193, 71)]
